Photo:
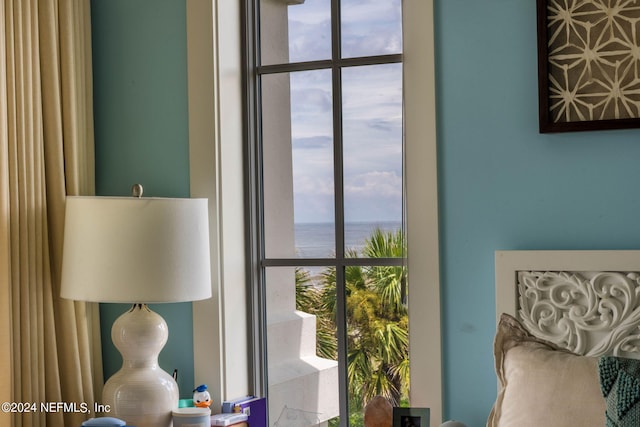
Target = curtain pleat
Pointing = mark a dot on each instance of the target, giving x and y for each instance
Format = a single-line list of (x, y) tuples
[(5, 302), (47, 152)]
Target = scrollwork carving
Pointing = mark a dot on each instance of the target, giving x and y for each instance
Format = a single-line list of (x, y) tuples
[(590, 313)]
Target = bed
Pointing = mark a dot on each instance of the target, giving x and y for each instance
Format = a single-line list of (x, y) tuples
[(568, 339)]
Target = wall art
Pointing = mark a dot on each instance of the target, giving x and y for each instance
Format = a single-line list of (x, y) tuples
[(588, 64)]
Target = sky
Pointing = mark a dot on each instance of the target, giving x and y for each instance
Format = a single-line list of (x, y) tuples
[(372, 113)]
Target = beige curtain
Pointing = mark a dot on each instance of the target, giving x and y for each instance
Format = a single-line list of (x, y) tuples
[(5, 302), (46, 152)]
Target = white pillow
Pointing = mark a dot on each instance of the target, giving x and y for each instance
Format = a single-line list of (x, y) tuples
[(542, 385)]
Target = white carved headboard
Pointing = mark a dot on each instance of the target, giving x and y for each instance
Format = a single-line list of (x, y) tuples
[(585, 301)]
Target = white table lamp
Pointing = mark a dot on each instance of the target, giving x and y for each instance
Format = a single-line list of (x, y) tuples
[(137, 250)]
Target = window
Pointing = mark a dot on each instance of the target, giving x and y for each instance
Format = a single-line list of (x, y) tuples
[(328, 148), (216, 129)]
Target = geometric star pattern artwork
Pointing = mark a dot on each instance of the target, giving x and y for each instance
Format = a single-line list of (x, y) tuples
[(593, 59)]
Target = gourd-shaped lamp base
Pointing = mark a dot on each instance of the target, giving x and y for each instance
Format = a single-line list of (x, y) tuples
[(141, 393)]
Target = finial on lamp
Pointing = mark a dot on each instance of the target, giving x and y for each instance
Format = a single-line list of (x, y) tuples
[(137, 190)]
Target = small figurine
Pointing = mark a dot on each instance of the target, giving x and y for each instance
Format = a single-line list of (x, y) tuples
[(201, 397)]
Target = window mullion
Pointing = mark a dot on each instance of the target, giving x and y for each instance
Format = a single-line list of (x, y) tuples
[(328, 262), (328, 63), (338, 161), (341, 304)]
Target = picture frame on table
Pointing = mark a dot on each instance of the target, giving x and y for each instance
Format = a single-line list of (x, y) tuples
[(588, 72), (410, 417)]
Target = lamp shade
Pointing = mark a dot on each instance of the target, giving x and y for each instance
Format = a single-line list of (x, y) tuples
[(136, 250)]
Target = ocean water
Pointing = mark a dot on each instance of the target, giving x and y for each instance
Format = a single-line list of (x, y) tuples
[(317, 240)]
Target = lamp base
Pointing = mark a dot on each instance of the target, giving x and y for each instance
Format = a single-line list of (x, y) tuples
[(141, 393)]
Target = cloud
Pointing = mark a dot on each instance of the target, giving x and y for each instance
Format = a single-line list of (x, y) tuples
[(371, 27), (356, 44), (309, 207), (310, 99), (370, 10), (313, 143), (377, 183), (313, 198), (373, 93), (309, 41), (313, 166), (311, 11), (372, 112), (311, 104), (317, 185), (385, 125), (374, 196)]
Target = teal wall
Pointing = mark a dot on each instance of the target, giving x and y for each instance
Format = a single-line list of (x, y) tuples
[(502, 184), (505, 186), (141, 133)]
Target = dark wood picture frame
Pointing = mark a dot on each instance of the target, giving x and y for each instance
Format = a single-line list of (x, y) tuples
[(411, 417), (607, 60)]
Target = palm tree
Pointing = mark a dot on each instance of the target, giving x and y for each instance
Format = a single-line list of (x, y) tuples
[(378, 342), (309, 300), (377, 321)]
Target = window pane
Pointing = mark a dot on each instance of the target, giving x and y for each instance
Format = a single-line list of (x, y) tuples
[(313, 183), (377, 336), (315, 239), (372, 123), (295, 33), (277, 166), (371, 27), (301, 348), (298, 164)]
